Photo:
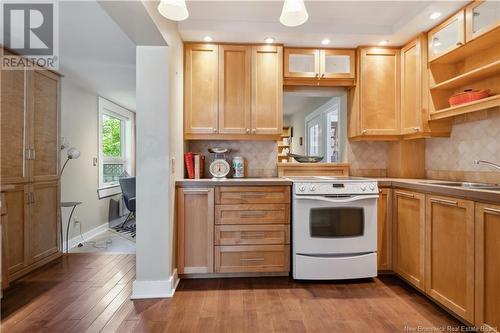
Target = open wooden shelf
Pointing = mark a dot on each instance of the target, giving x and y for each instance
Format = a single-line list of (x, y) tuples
[(477, 74), (456, 110)]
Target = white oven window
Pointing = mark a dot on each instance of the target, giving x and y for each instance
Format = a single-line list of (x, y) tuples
[(337, 222)]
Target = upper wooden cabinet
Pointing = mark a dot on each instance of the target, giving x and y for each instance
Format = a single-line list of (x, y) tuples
[(447, 36), (267, 89), (233, 92), (201, 80), (319, 67), (481, 17), (449, 271), (379, 110)]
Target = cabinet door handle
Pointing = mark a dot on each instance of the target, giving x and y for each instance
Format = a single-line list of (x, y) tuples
[(416, 129), (317, 75), (406, 195), (32, 197), (33, 155), (444, 202), (364, 131), (28, 198), (322, 75), (459, 43), (252, 214), (195, 190), (252, 195), (215, 130), (492, 210), (252, 235), (27, 154), (254, 130), (251, 259), (248, 130)]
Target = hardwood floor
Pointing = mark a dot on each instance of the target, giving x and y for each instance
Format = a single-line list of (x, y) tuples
[(88, 292)]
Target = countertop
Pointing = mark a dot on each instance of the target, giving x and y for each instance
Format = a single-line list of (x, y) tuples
[(421, 185)]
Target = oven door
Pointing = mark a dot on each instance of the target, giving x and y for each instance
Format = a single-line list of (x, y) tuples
[(325, 225)]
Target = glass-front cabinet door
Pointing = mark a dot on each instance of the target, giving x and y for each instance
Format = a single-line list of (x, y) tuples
[(302, 63), (337, 63), (481, 17), (447, 36)]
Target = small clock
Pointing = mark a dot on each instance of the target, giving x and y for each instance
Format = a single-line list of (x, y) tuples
[(219, 168)]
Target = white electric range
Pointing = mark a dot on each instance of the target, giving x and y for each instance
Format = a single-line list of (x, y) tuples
[(334, 228)]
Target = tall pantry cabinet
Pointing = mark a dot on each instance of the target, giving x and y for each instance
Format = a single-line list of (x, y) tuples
[(30, 121)]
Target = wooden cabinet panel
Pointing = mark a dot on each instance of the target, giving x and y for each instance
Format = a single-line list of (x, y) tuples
[(450, 254), (45, 130), (13, 127), (252, 214), (409, 236), (411, 88), (252, 234), (201, 86), (384, 230), (481, 17), (16, 228), (380, 87), (447, 36), (302, 63), (337, 64), (252, 258), (252, 194), (43, 225), (267, 89), (234, 89), (195, 216), (487, 279)]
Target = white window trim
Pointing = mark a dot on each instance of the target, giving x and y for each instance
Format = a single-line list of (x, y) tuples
[(107, 107)]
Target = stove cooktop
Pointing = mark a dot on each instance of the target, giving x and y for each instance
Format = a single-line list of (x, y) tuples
[(328, 185)]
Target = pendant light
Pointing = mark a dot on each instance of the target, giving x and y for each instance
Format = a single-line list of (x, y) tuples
[(175, 10), (294, 13)]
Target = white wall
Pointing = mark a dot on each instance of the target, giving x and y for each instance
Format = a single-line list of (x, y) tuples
[(154, 249), (79, 126)]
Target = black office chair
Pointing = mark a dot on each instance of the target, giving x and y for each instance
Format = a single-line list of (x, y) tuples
[(128, 191)]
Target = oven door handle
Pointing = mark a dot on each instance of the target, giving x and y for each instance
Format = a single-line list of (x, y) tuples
[(343, 200)]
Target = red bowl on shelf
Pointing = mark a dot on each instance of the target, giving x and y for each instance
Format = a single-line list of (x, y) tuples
[(468, 96)]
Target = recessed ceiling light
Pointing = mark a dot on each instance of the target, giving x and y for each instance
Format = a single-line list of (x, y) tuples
[(435, 15), (269, 40), (325, 41), (207, 39), (383, 42)]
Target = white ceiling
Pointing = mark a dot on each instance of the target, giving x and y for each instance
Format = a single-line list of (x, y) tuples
[(345, 23)]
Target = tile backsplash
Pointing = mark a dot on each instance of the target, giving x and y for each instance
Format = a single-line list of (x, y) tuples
[(367, 159), (260, 156)]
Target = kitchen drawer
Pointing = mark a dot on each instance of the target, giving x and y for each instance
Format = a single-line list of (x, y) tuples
[(252, 194), (252, 234), (252, 258), (252, 214)]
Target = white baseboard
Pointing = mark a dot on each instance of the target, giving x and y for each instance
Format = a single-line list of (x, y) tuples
[(73, 242), (155, 289)]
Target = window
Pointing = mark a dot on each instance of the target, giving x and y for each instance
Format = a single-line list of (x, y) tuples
[(116, 145)]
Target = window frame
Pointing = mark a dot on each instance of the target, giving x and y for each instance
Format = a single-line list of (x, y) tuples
[(127, 149)]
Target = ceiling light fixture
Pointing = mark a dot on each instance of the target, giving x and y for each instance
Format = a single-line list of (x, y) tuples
[(383, 42), (435, 15), (325, 41), (269, 40), (208, 39), (175, 10), (294, 13)]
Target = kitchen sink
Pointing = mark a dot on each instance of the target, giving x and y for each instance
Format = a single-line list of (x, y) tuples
[(475, 186)]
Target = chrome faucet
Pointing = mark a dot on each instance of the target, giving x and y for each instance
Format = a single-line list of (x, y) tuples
[(491, 164)]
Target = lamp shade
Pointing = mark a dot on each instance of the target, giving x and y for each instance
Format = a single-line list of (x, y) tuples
[(294, 13), (73, 153), (175, 10)]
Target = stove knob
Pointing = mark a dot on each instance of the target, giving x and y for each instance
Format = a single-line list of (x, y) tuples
[(312, 188), (372, 187), (363, 188), (302, 188)]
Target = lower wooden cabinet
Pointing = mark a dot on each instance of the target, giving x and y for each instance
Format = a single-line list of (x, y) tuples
[(384, 230), (487, 278), (252, 234), (195, 227), (252, 258), (409, 236), (449, 271)]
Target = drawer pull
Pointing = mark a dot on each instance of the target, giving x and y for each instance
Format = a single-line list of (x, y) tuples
[(253, 214), (492, 210), (252, 259), (195, 190), (252, 235), (406, 195), (444, 202), (252, 195)]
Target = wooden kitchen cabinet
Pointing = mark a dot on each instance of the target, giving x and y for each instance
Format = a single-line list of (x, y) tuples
[(487, 263), (449, 271), (195, 226), (235, 65), (303, 63), (337, 64), (447, 36), (252, 258), (267, 89), (409, 236), (201, 84), (384, 230), (480, 18)]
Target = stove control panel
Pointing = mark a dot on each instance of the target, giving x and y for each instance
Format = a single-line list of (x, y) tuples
[(337, 188)]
